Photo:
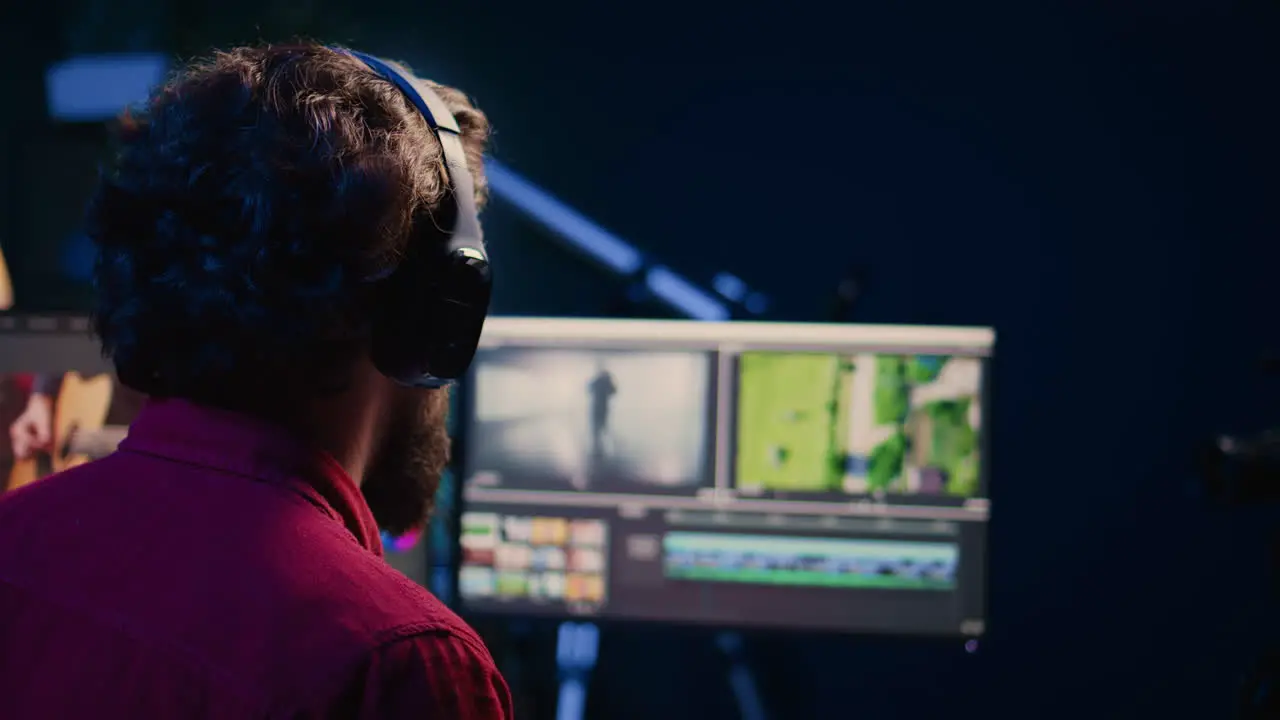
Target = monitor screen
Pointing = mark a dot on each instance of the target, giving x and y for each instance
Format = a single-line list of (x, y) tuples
[(815, 477), (54, 359)]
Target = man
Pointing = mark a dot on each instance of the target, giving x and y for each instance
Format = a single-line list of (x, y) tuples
[(226, 562)]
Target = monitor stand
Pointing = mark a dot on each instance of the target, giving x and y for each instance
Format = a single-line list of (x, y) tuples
[(577, 647)]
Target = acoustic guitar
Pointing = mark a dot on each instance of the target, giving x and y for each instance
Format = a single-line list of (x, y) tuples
[(79, 433)]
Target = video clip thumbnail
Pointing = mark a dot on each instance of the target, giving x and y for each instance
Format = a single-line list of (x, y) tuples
[(534, 558), (55, 421), (861, 424), (557, 419)]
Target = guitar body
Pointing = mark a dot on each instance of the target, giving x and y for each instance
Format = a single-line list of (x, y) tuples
[(81, 407), (24, 472), (79, 410)]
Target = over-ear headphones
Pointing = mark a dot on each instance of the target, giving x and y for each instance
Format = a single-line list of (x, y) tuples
[(427, 327)]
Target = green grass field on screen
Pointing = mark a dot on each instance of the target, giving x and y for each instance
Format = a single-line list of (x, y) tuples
[(790, 425)]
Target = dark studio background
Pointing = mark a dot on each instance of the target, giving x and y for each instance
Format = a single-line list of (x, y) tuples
[(1096, 180)]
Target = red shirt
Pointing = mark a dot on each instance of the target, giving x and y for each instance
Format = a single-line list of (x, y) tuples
[(215, 568)]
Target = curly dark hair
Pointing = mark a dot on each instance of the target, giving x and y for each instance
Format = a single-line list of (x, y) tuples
[(248, 204)]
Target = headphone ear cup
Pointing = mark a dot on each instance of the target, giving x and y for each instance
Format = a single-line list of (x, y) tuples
[(429, 317), (462, 295), (400, 344)]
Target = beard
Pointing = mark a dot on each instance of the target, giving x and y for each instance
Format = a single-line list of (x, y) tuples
[(400, 485)]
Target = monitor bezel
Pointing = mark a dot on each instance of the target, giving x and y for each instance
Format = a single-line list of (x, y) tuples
[(972, 341), (54, 342)]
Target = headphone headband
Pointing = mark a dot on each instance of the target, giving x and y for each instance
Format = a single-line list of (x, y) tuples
[(433, 109), (427, 333), (466, 232)]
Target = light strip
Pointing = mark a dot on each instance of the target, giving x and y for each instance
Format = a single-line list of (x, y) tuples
[(563, 221), (617, 254), (730, 286), (97, 87), (684, 295)]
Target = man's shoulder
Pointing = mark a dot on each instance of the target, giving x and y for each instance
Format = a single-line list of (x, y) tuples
[(255, 585), (269, 550), (338, 599), (423, 675), (398, 607), (393, 643), (343, 604)]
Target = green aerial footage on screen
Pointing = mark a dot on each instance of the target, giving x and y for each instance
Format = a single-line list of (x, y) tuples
[(823, 422)]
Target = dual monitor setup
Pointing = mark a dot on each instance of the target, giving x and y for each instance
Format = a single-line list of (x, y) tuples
[(826, 478)]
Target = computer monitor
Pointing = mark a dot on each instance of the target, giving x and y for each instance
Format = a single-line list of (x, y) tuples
[(755, 475), (57, 357)]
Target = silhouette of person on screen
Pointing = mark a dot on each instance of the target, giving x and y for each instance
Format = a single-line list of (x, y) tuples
[(602, 389)]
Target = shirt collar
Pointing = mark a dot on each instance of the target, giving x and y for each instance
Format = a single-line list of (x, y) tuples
[(253, 448)]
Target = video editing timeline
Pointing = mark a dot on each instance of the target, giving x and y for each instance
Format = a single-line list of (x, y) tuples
[(749, 474), (814, 562)]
